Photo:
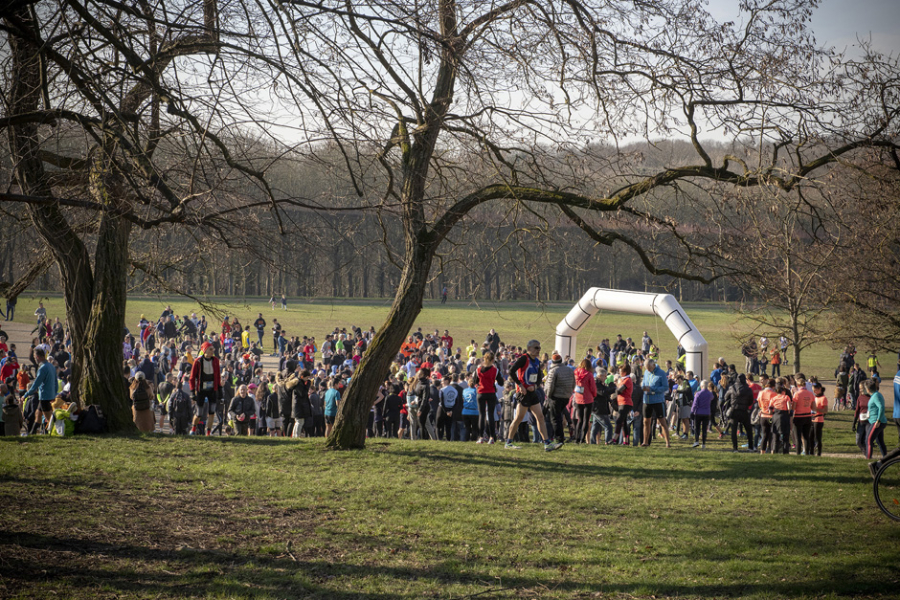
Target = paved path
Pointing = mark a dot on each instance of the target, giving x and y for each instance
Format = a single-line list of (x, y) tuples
[(20, 335)]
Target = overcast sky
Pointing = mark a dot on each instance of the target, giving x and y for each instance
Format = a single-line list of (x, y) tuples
[(838, 23)]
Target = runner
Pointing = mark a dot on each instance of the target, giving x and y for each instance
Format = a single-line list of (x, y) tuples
[(526, 373)]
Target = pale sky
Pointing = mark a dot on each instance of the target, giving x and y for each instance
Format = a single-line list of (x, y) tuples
[(838, 23)]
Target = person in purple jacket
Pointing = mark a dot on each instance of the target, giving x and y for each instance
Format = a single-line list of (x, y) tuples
[(701, 410)]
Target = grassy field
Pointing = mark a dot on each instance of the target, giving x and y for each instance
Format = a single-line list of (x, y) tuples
[(162, 517), (516, 322), (258, 518)]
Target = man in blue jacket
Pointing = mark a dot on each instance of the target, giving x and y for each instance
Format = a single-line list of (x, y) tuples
[(655, 383), (44, 386)]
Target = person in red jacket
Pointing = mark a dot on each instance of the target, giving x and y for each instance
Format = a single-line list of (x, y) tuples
[(585, 391), (205, 382), (489, 381)]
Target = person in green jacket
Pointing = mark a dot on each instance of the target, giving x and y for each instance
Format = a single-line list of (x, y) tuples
[(877, 419)]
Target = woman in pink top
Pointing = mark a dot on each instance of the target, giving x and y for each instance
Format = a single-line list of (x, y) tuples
[(585, 391)]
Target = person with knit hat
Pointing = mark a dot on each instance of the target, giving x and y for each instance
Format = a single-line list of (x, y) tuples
[(558, 389), (205, 383)]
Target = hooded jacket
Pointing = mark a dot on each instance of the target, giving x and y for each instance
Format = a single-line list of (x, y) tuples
[(584, 379), (560, 382)]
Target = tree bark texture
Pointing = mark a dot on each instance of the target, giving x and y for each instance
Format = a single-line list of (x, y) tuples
[(96, 352)]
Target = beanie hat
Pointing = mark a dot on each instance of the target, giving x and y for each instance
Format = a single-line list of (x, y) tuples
[(204, 346)]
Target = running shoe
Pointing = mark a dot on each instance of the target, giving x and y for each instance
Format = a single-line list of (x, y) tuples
[(695, 445), (490, 441), (703, 446), (873, 468), (552, 446), (480, 441), (511, 446)]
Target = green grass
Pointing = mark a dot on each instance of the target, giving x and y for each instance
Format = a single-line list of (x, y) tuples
[(164, 517), (517, 322)]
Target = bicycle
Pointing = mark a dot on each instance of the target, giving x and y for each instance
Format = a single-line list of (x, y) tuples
[(887, 488)]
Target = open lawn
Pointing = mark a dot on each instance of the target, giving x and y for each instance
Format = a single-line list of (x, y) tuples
[(164, 517), (516, 322)]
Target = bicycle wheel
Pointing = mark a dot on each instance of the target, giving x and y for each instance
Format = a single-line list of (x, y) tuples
[(887, 489)]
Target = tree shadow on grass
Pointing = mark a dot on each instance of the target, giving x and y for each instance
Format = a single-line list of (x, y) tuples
[(87, 568), (743, 467)]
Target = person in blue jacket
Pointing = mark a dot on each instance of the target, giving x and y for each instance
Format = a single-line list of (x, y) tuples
[(44, 386), (654, 384)]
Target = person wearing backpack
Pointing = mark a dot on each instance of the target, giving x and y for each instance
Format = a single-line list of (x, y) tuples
[(163, 391), (141, 397), (180, 408)]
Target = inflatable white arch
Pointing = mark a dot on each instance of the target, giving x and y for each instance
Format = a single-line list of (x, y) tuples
[(662, 305)]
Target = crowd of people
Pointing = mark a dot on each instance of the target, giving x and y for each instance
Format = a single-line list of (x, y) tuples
[(490, 392)]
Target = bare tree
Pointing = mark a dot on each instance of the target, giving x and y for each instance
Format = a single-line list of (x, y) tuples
[(523, 87), (433, 109), (785, 248)]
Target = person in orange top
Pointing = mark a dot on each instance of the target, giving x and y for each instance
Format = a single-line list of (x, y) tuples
[(409, 347), (782, 405), (820, 407), (624, 389), (803, 405), (23, 380), (765, 414)]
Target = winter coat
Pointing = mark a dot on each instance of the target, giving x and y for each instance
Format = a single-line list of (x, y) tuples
[(284, 386), (300, 405), (601, 400), (739, 397), (13, 421), (560, 382), (245, 407), (584, 380)]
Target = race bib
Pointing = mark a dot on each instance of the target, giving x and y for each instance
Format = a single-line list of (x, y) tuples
[(579, 389), (207, 385), (532, 378)]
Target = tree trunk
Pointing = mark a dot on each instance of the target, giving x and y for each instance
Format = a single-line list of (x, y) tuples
[(795, 346), (353, 413), (103, 382)]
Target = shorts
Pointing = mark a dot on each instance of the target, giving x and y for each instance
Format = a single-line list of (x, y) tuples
[(404, 421), (201, 409), (528, 399), (162, 408), (654, 411), (684, 412), (329, 420), (47, 405), (274, 423)]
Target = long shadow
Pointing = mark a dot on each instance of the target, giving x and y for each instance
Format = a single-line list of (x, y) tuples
[(151, 573), (748, 466)]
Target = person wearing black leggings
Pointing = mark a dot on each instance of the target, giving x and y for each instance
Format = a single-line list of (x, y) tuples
[(740, 397), (820, 407), (488, 382), (624, 387), (583, 398), (701, 409)]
